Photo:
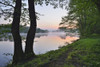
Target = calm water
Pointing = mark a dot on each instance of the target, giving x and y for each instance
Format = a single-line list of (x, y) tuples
[(44, 42)]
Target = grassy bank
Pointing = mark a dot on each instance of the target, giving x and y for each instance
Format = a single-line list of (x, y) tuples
[(83, 53)]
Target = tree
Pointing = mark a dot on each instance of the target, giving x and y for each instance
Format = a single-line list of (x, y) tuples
[(86, 14), (32, 30), (18, 52), (31, 33)]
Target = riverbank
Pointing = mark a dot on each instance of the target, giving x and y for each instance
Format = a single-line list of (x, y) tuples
[(82, 53)]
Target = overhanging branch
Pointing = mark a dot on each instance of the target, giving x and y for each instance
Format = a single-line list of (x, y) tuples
[(6, 4)]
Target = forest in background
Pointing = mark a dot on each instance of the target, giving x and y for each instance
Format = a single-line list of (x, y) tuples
[(6, 28)]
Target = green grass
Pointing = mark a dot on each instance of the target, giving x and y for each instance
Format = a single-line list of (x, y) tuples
[(86, 53), (83, 53)]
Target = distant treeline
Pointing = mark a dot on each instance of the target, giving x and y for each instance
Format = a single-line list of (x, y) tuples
[(65, 29), (6, 28)]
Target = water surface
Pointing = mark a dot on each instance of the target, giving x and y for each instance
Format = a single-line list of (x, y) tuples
[(44, 42)]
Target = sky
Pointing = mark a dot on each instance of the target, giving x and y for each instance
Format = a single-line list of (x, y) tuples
[(50, 19)]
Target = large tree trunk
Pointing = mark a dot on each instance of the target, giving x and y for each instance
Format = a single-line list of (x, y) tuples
[(18, 52), (32, 30)]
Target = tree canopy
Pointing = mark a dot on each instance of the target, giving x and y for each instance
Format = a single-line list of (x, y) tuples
[(86, 13)]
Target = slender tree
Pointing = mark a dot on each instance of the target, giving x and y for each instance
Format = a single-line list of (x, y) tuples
[(32, 30), (18, 52)]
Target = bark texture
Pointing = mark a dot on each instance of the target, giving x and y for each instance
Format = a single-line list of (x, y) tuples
[(18, 52), (32, 30)]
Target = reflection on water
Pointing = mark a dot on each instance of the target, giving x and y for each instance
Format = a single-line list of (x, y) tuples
[(48, 43), (8, 37), (44, 42)]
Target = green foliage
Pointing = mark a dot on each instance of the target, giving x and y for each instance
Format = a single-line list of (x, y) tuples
[(54, 3), (41, 31), (86, 13), (86, 53), (68, 65), (5, 28)]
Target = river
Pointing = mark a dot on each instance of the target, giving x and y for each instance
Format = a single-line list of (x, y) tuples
[(44, 42)]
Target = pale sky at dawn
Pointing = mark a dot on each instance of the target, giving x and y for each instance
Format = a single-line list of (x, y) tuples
[(51, 18)]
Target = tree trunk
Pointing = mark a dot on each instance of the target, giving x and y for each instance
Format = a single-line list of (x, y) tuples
[(18, 52), (32, 30)]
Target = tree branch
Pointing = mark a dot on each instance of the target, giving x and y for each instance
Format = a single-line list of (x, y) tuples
[(6, 4)]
